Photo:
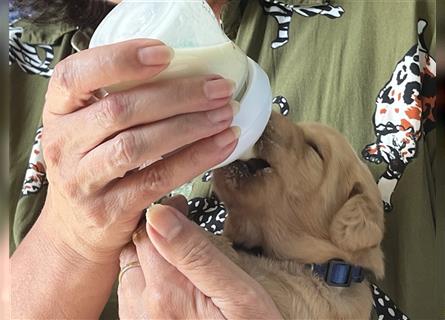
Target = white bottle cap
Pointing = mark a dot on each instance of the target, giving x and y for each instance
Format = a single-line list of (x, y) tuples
[(255, 111), (191, 28)]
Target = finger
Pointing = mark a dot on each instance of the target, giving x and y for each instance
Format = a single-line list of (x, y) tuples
[(186, 246), (137, 190), (179, 202), (131, 148), (132, 276), (145, 104), (131, 286), (154, 267), (168, 293), (78, 76)]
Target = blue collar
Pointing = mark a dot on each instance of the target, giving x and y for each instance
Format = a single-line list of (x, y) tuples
[(335, 272)]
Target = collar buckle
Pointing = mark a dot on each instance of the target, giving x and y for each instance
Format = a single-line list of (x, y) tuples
[(338, 273)]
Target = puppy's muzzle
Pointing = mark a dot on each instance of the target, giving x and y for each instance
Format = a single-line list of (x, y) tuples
[(250, 167)]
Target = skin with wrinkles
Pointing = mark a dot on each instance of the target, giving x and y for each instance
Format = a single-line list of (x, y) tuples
[(91, 147)]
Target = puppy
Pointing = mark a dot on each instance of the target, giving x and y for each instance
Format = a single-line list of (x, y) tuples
[(305, 199)]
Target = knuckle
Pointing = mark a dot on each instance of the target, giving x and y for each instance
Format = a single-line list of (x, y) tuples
[(64, 75), (112, 111), (85, 180), (201, 82), (204, 119), (52, 152), (158, 180), (190, 92), (197, 254), (206, 125), (73, 188), (199, 90), (124, 150)]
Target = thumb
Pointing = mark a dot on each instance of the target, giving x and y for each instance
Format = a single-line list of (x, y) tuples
[(187, 247)]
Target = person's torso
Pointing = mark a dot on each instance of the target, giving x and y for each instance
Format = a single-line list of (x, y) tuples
[(366, 68)]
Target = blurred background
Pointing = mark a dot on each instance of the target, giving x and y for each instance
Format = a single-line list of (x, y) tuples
[(4, 116), (441, 56)]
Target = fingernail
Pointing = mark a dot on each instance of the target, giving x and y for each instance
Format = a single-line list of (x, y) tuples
[(137, 233), (227, 137), (155, 55), (219, 88), (164, 221), (224, 113), (235, 107)]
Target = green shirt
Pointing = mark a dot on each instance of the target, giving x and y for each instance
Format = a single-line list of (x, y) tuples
[(365, 67)]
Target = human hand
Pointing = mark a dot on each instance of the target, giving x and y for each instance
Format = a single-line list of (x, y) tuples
[(182, 275), (91, 146)]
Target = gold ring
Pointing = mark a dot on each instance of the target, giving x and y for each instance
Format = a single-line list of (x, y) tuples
[(131, 265)]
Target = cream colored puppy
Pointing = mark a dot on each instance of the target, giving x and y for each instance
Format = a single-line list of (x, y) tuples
[(305, 199)]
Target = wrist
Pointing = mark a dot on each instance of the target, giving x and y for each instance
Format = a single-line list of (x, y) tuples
[(46, 262), (66, 238)]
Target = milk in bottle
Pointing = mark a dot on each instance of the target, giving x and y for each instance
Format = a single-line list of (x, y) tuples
[(200, 48)]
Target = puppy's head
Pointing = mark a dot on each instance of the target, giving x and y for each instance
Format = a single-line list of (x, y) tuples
[(305, 196)]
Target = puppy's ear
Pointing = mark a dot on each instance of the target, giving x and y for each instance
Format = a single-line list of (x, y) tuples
[(358, 224)]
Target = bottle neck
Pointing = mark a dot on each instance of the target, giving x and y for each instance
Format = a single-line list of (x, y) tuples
[(242, 91)]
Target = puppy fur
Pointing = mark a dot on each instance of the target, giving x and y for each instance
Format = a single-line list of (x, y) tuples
[(316, 202)]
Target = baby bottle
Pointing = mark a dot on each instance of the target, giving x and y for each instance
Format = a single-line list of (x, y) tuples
[(201, 47)]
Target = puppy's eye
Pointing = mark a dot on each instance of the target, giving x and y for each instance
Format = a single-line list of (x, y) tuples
[(314, 147)]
